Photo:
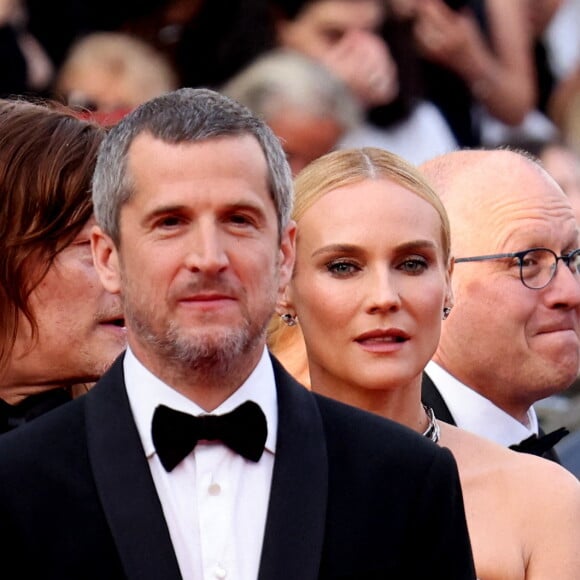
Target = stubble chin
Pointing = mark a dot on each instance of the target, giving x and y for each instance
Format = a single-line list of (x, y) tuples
[(200, 349), (208, 345)]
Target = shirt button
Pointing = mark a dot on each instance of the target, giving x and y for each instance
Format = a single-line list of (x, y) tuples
[(220, 572), (215, 489)]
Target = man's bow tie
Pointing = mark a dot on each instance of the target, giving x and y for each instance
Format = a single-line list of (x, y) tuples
[(539, 445), (175, 434)]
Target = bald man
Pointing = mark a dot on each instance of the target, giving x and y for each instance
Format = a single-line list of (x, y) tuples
[(513, 335)]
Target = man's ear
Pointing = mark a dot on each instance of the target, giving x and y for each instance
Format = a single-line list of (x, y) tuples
[(287, 255), (106, 260)]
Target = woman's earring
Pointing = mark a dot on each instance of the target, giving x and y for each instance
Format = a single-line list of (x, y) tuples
[(289, 319), (446, 312)]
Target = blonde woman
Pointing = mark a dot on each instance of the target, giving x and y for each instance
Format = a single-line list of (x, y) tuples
[(370, 289)]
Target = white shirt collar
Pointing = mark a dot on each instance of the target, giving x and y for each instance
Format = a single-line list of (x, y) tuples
[(473, 412), (146, 392)]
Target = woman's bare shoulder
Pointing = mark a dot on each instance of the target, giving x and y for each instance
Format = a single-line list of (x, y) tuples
[(523, 511), (478, 456)]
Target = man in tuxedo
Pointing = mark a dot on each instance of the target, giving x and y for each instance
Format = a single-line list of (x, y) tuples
[(197, 455), (512, 337)]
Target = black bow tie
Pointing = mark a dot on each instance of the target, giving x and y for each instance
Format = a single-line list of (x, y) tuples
[(175, 434), (540, 445)]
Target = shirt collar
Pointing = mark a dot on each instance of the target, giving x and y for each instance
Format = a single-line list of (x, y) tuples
[(473, 412), (146, 392)]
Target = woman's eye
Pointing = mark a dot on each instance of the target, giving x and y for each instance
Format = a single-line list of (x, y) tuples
[(414, 266), (341, 268)]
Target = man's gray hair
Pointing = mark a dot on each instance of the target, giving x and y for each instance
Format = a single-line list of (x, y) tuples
[(184, 115)]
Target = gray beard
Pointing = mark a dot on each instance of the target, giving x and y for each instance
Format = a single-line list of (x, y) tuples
[(211, 355)]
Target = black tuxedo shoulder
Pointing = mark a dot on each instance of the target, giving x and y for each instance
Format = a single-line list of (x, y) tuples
[(32, 442), (49, 452), (392, 487)]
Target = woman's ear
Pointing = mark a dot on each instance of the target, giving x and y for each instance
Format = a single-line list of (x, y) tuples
[(449, 298)]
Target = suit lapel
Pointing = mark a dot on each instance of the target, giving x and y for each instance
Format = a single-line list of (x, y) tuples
[(431, 397), (294, 534), (124, 482)]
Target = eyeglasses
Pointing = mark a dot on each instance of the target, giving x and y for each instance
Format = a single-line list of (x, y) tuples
[(537, 265)]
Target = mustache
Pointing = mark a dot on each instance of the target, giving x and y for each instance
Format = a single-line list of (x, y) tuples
[(207, 285)]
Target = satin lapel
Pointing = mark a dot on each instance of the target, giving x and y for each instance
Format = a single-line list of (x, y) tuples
[(295, 525), (431, 397), (124, 482)]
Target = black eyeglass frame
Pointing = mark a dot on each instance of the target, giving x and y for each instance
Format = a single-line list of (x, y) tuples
[(566, 258)]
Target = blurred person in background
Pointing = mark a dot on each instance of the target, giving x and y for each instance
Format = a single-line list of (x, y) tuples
[(474, 55), (537, 124), (207, 41), (561, 161), (26, 67), (305, 105), (348, 37), (110, 73), (564, 108)]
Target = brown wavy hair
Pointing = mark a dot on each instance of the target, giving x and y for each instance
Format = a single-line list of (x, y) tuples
[(47, 157)]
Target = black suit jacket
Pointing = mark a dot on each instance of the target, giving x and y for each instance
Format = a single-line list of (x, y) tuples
[(431, 397), (353, 496)]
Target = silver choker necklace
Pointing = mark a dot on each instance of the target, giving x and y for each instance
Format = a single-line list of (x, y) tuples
[(432, 432)]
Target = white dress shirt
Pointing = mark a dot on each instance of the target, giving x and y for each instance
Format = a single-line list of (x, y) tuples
[(215, 501), (475, 413)]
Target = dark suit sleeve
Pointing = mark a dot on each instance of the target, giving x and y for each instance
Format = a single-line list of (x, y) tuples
[(395, 506), (445, 542)]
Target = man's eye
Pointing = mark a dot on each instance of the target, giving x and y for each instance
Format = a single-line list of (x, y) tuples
[(169, 222), (239, 219), (243, 220)]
